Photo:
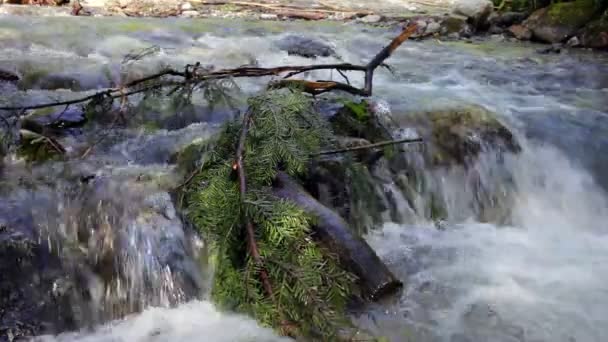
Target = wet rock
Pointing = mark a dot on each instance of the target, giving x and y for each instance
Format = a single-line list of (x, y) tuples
[(595, 34), (30, 302), (454, 24), (432, 28), (305, 46), (190, 14), (554, 48), (7, 76), (520, 32), (371, 19), (477, 11), (60, 118), (560, 21), (186, 6), (458, 135), (506, 19), (494, 30), (268, 16), (573, 42)]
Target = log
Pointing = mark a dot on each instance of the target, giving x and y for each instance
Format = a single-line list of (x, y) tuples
[(375, 279)]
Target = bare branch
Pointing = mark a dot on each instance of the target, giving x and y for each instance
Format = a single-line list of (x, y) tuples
[(369, 146)]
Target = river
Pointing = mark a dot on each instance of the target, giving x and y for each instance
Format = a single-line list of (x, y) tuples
[(541, 277)]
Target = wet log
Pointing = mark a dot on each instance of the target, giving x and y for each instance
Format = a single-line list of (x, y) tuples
[(375, 279)]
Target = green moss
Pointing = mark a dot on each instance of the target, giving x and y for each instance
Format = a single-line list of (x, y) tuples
[(573, 13)]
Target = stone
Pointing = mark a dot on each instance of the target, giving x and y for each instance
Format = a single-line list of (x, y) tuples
[(554, 48), (268, 16), (190, 14), (506, 19), (8, 76), (186, 6), (573, 42), (595, 34), (520, 32), (477, 11), (454, 24), (495, 29), (371, 19), (421, 24), (560, 21), (305, 46), (432, 28)]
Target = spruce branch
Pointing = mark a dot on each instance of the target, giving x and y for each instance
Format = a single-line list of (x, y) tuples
[(238, 166)]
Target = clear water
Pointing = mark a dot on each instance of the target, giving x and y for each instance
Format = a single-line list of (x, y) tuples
[(539, 279)]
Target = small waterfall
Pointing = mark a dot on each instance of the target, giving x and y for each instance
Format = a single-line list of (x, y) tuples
[(536, 274)]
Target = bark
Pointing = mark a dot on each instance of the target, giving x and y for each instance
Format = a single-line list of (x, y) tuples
[(375, 279)]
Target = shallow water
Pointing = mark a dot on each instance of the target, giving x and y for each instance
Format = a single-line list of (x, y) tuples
[(539, 279)]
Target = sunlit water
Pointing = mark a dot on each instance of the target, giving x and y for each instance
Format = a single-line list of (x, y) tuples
[(541, 278)]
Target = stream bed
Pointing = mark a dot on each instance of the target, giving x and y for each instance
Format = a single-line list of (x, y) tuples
[(541, 277)]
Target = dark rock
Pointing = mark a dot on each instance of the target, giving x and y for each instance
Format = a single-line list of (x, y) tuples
[(454, 24), (560, 21), (58, 119), (496, 29), (520, 32), (8, 76), (29, 301), (305, 46), (506, 19), (554, 48), (595, 34)]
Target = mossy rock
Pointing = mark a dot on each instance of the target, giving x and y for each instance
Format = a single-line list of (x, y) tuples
[(560, 21), (595, 34), (459, 135)]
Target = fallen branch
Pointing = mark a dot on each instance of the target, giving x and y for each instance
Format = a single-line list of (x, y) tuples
[(369, 146), (196, 75), (251, 242)]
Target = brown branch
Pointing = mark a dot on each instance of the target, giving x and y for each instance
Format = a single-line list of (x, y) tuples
[(201, 75), (239, 167), (369, 146)]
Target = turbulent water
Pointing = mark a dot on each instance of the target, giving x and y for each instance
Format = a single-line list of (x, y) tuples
[(538, 278)]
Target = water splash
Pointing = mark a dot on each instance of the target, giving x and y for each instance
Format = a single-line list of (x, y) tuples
[(193, 321), (540, 279)]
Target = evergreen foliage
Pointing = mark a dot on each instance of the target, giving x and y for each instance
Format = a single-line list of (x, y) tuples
[(310, 289)]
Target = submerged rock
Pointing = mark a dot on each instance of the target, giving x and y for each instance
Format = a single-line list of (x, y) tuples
[(458, 135), (305, 46)]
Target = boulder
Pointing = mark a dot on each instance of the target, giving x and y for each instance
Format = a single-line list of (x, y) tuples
[(477, 11), (506, 19), (520, 32), (595, 34), (560, 21), (305, 46), (458, 135)]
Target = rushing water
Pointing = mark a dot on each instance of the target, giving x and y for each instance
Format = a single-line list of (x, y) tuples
[(539, 278)]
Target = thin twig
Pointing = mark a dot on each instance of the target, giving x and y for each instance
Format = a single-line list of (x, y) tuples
[(369, 146)]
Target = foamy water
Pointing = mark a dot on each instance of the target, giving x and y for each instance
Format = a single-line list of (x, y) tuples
[(193, 321), (541, 279)]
